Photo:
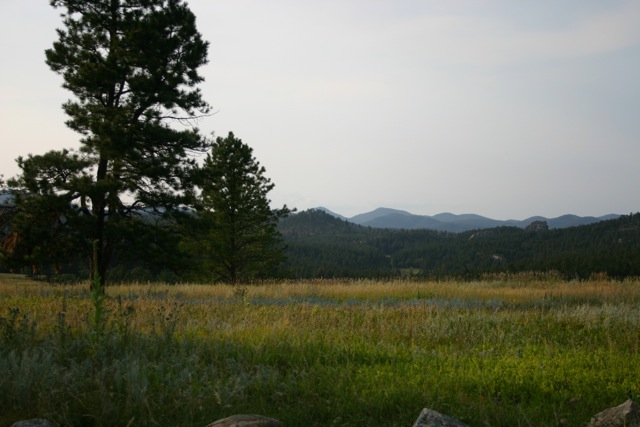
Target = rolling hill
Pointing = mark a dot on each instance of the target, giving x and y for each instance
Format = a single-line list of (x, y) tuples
[(399, 219)]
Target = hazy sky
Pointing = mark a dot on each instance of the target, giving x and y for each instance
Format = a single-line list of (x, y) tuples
[(503, 108)]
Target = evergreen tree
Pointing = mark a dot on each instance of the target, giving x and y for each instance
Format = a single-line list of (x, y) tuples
[(132, 66), (41, 227), (238, 236)]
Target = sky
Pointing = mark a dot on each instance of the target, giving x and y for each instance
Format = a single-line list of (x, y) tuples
[(501, 108)]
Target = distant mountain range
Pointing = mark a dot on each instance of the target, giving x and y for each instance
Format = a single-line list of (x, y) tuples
[(399, 219)]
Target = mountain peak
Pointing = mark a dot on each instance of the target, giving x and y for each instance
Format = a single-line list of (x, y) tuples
[(377, 213)]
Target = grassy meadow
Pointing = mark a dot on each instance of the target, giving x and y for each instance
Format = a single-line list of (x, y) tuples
[(521, 350)]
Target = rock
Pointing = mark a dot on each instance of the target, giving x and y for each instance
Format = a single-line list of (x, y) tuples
[(625, 415), (431, 418), (246, 421), (537, 226), (36, 422)]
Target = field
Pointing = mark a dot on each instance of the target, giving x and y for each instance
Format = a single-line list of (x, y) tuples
[(505, 351)]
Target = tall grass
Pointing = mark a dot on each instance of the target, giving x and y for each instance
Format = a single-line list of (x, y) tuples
[(320, 353)]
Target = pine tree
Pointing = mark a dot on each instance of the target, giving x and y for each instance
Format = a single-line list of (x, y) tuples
[(239, 240), (132, 66)]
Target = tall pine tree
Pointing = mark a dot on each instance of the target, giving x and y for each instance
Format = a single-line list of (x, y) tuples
[(132, 66)]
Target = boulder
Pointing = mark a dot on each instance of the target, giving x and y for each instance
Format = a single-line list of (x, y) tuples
[(431, 418), (246, 421), (625, 415), (36, 422)]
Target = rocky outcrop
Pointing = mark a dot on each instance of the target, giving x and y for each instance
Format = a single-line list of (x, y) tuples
[(625, 415), (247, 421), (431, 418), (36, 422), (537, 226)]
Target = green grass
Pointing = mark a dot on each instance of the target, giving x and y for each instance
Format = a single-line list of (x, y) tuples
[(501, 352)]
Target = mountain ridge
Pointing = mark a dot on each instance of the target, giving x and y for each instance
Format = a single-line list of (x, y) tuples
[(383, 217)]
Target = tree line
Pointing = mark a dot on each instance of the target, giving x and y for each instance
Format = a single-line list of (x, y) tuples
[(314, 244)]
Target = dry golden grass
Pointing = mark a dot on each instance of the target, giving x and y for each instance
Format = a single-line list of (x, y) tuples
[(509, 291)]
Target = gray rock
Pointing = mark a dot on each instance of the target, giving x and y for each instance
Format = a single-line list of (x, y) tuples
[(36, 422), (431, 418), (246, 421), (625, 415), (537, 226)]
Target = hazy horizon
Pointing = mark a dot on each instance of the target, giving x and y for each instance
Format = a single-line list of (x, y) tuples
[(459, 214)]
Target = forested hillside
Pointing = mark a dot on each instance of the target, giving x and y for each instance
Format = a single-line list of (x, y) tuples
[(320, 245)]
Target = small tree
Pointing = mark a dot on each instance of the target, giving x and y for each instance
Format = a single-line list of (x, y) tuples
[(238, 236), (132, 66)]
